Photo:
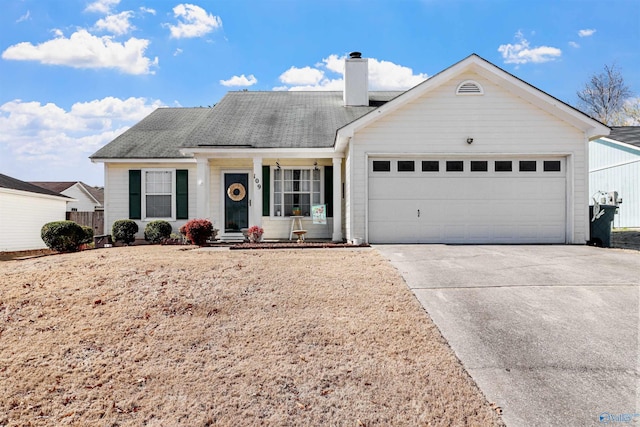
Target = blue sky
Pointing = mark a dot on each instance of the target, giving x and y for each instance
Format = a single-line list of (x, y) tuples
[(74, 74)]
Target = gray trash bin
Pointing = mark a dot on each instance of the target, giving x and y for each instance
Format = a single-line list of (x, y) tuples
[(600, 224)]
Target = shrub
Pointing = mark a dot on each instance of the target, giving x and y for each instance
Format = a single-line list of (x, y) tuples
[(197, 231), (63, 236), (88, 235), (124, 230), (157, 231)]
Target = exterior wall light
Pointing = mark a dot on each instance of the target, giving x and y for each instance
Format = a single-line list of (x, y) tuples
[(469, 140)]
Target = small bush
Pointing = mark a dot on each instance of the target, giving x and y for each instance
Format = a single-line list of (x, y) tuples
[(63, 236), (255, 233), (88, 235), (197, 231), (124, 230), (157, 231)]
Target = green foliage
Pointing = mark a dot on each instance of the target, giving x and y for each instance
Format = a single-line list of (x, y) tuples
[(157, 231), (197, 231), (63, 236), (124, 230), (88, 235)]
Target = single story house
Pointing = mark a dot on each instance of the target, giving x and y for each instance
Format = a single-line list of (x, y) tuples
[(24, 209), (614, 165), (471, 155), (86, 198)]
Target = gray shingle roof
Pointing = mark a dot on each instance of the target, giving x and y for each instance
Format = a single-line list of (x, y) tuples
[(16, 184), (627, 134), (242, 119), (60, 186)]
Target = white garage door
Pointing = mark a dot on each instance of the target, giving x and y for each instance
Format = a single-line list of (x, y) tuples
[(467, 200)]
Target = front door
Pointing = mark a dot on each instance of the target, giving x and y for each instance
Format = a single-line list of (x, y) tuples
[(236, 202)]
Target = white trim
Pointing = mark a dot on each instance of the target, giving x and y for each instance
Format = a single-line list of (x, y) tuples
[(617, 142), (615, 165), (151, 160), (265, 153), (34, 194), (143, 194)]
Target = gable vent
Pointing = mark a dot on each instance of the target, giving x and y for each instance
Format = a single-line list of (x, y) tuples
[(469, 87)]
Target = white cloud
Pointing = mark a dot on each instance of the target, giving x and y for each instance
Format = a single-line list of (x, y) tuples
[(147, 10), (240, 81), (32, 133), (84, 50), (329, 75), (521, 53), (177, 52), (574, 44), (586, 32), (193, 21), (301, 76), (102, 6), (25, 17), (116, 24)]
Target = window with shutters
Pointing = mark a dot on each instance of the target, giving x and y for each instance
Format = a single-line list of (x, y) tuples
[(158, 194), (296, 188)]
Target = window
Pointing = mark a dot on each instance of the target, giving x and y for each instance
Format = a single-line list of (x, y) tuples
[(479, 166), (527, 165), (455, 166), (296, 188), (552, 165), (503, 166), (158, 193), (406, 166), (430, 166), (381, 166)]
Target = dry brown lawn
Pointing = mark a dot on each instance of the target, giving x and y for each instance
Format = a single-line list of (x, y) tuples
[(163, 336)]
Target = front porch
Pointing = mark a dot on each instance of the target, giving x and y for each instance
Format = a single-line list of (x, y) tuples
[(236, 191)]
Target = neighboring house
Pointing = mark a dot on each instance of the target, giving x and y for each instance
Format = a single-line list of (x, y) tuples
[(86, 206), (87, 198), (614, 165), (24, 209), (470, 155)]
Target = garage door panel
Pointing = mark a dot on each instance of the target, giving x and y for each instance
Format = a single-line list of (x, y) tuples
[(467, 207)]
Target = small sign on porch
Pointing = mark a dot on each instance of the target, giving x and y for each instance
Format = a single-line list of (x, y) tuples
[(319, 214)]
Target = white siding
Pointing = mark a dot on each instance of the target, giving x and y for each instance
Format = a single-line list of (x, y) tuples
[(615, 167), (440, 123), (117, 193), (22, 216), (84, 202)]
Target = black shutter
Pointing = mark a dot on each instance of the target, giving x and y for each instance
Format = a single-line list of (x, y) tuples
[(135, 194), (328, 190), (266, 188), (182, 194)]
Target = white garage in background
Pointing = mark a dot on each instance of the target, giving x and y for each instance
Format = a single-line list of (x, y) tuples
[(471, 155), (24, 209)]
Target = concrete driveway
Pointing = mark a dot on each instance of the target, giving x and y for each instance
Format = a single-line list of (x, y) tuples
[(549, 333)]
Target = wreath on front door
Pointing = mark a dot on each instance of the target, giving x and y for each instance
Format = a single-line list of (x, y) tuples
[(236, 192)]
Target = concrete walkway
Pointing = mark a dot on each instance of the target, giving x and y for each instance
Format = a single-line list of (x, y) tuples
[(549, 333)]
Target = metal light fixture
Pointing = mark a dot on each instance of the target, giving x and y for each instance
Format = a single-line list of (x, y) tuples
[(315, 166), (278, 164), (469, 140)]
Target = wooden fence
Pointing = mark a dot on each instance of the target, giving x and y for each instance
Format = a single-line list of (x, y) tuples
[(94, 220)]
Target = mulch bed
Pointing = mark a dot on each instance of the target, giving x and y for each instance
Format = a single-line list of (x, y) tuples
[(294, 245)]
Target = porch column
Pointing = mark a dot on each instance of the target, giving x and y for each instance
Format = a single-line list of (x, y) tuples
[(256, 197), (337, 200), (203, 188)]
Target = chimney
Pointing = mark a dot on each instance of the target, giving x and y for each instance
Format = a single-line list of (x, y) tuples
[(356, 80)]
